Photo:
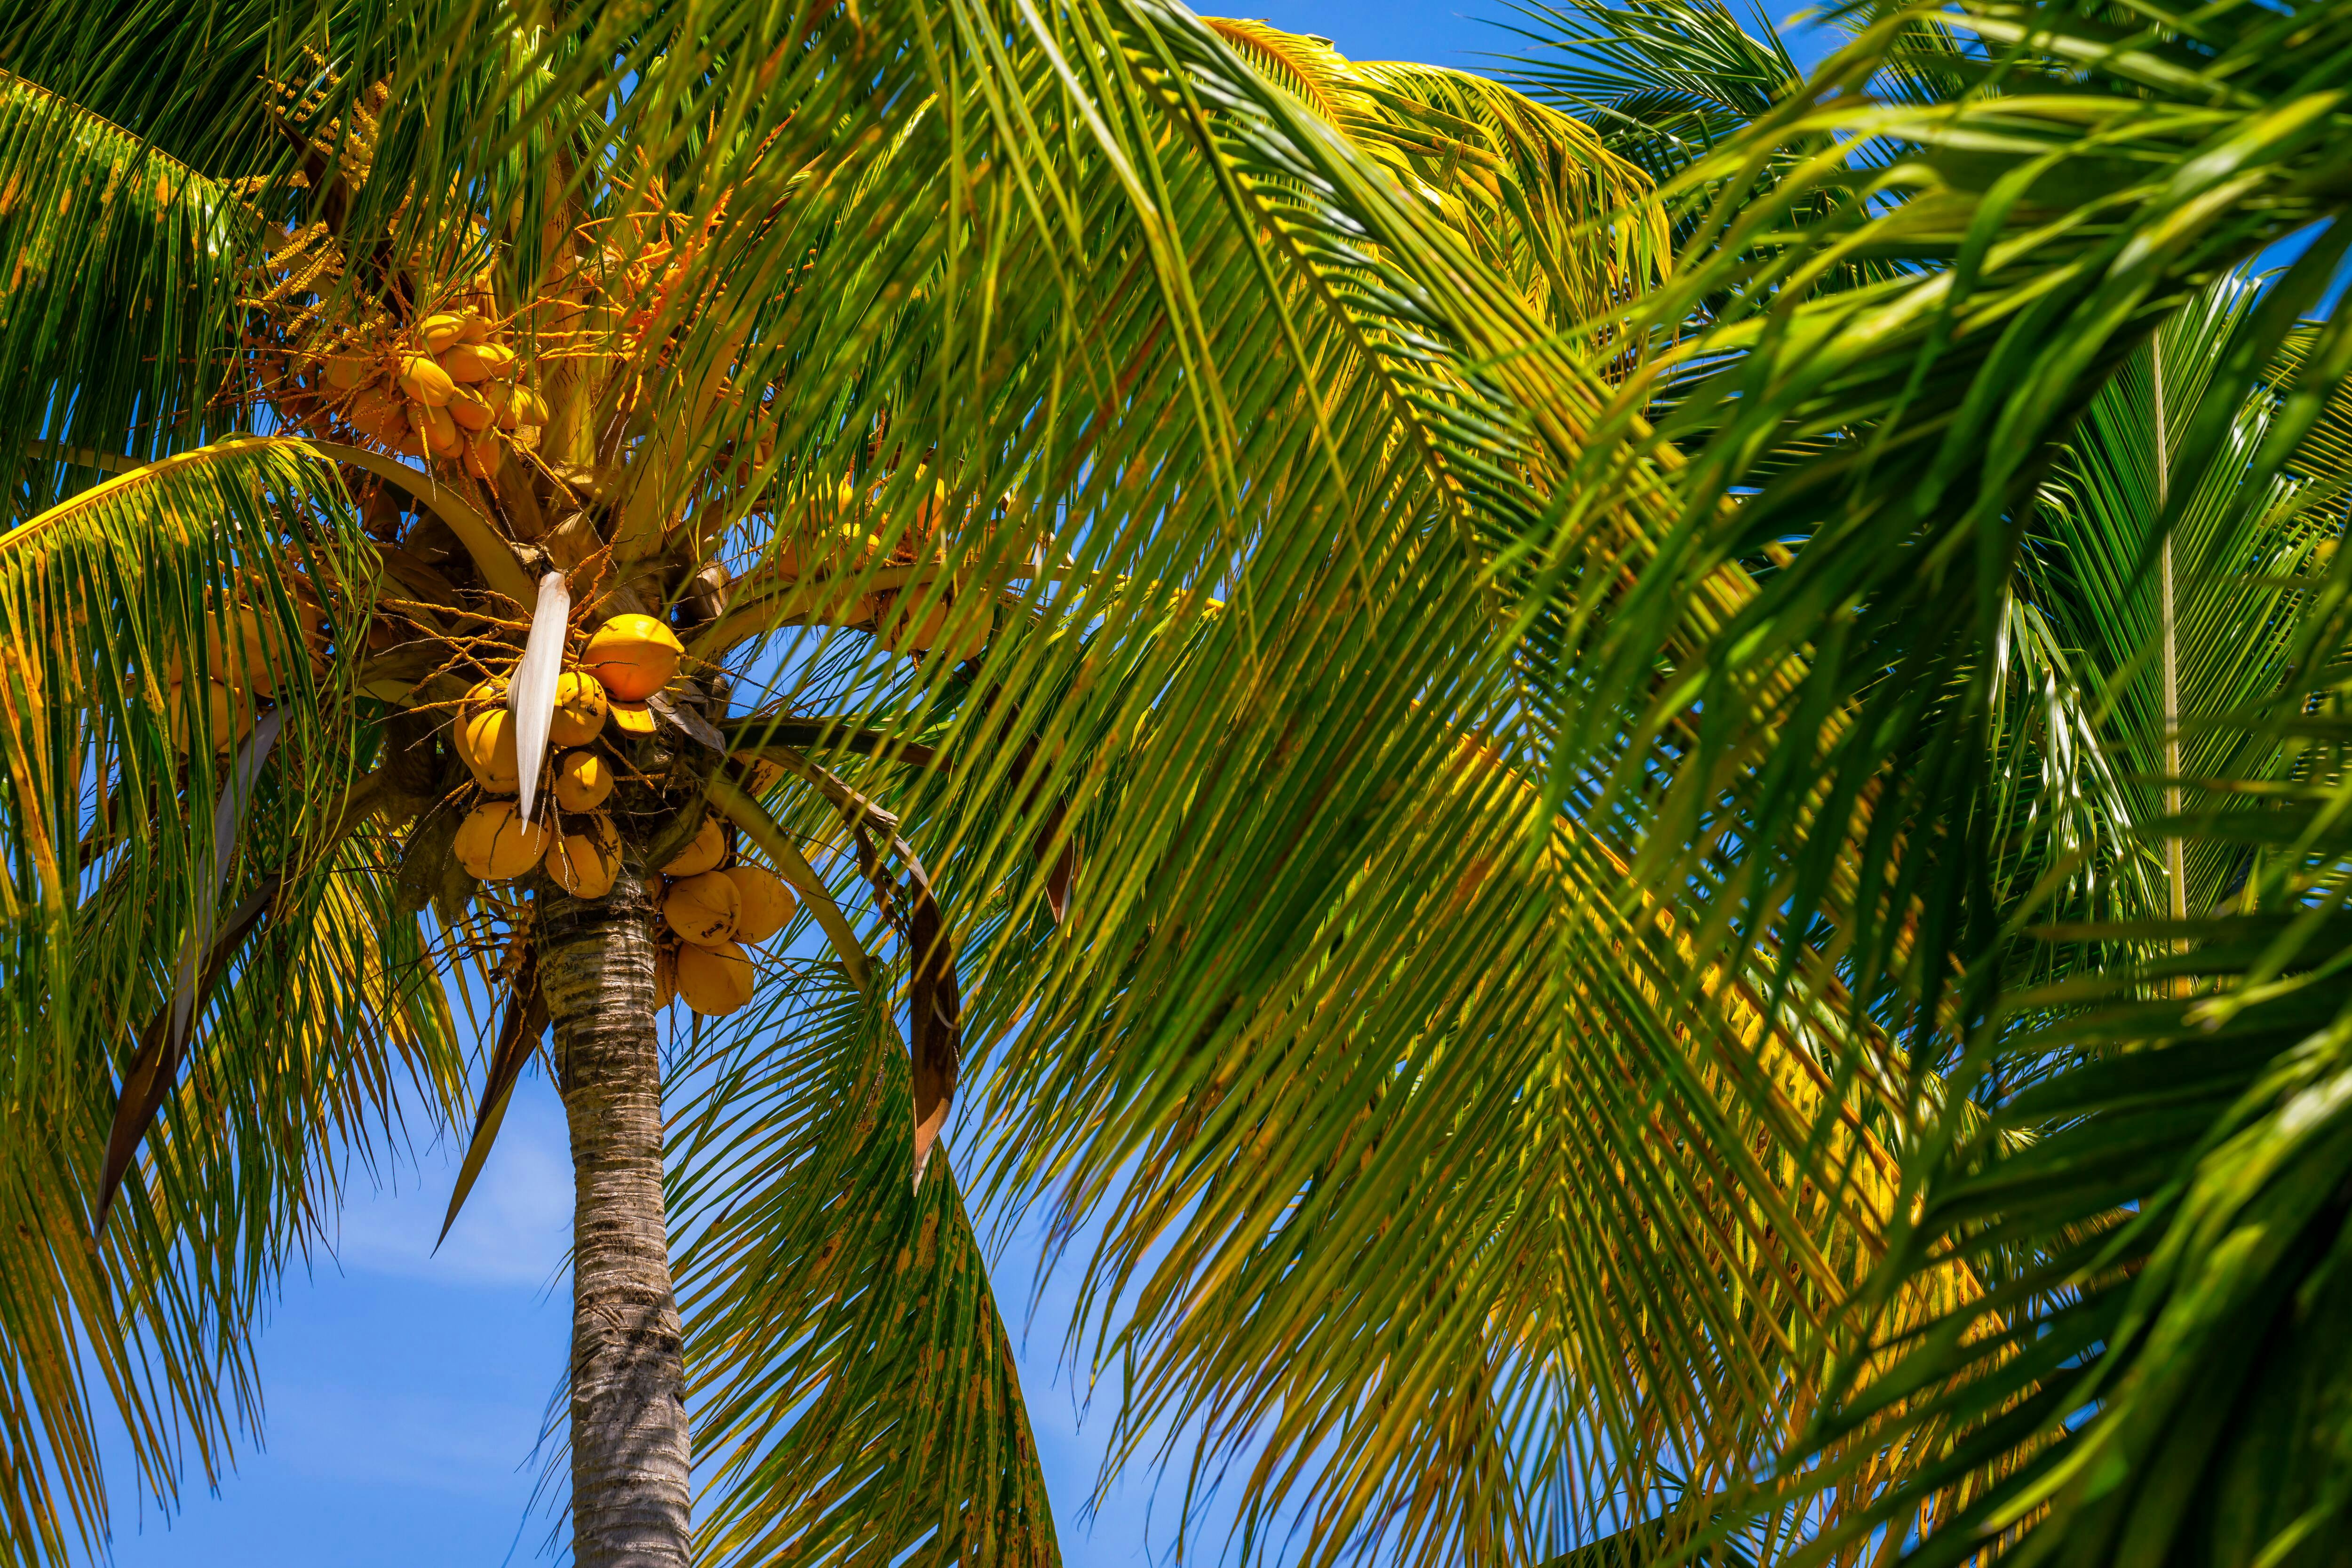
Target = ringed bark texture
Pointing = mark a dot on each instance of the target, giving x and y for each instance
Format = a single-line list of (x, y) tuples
[(629, 1458)]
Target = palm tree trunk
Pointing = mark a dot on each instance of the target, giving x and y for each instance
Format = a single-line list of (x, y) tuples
[(629, 1458)]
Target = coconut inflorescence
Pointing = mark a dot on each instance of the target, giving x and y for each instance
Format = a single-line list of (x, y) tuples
[(485, 733), (446, 385)]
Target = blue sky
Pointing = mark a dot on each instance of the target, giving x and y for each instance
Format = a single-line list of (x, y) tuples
[(406, 1391)]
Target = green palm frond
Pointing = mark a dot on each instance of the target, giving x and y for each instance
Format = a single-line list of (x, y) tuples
[(1967, 493), (1256, 442), (210, 567), (1967, 377), (2325, 454), (859, 1400), (2233, 558), (2066, 812), (1533, 192), (1281, 1187), (151, 160), (226, 563), (2161, 1377), (1255, 457), (121, 264), (1228, 687)]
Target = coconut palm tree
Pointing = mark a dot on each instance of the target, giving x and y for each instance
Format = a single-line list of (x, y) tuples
[(994, 503), (1473, 789)]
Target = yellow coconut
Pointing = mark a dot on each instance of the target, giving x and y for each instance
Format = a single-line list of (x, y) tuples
[(767, 904), (479, 362), (239, 658), (633, 655), (584, 863), (475, 831), (242, 658), (349, 372), (828, 550), (487, 741), (703, 909), (478, 454), (665, 976), (423, 382), (520, 405), (579, 709), (709, 849), (227, 711), (583, 782), (715, 980), (472, 410), (631, 718), (379, 415), (496, 846), (438, 432), (440, 331)]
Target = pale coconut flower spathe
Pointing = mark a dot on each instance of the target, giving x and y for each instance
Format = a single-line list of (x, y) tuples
[(531, 695)]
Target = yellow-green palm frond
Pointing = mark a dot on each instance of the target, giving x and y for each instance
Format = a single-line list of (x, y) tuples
[(2325, 454), (1533, 192), (1887, 450), (1893, 433), (147, 618), (120, 265), (1283, 449), (231, 566), (1578, 229), (1497, 1124)]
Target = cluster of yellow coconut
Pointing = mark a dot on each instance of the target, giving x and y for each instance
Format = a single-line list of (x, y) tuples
[(703, 903), (446, 384), (708, 911)]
